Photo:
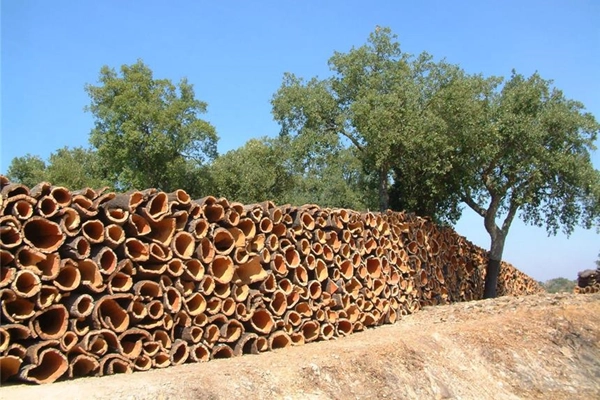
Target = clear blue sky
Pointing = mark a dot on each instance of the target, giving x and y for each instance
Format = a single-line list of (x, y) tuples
[(235, 53)]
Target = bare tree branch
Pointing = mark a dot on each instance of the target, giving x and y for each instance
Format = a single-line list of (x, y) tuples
[(512, 211), (471, 203)]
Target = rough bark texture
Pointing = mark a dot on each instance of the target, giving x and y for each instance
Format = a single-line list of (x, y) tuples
[(491, 280), (471, 350), (588, 281), (187, 281), (493, 265)]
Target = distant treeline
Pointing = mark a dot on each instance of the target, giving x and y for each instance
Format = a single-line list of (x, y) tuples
[(558, 285)]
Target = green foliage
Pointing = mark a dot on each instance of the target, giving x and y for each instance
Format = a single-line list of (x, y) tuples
[(558, 285), (387, 128), (523, 148), (532, 154), (147, 131), (28, 170), (504, 148), (75, 168), (380, 103), (425, 179), (287, 170), (330, 176), (252, 173), (195, 178)]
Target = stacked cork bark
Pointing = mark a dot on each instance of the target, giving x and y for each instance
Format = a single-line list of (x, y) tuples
[(588, 281), (95, 283)]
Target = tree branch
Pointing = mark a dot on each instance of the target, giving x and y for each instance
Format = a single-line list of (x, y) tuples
[(486, 173), (514, 206), (486, 182), (471, 203), (352, 139), (512, 211), (489, 220)]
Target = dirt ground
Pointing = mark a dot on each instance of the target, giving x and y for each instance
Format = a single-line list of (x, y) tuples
[(534, 347)]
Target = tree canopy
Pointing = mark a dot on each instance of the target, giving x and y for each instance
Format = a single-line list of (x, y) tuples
[(522, 148), (385, 129), (327, 174), (147, 131), (287, 170), (558, 285), (75, 167), (28, 170), (503, 148), (382, 103), (252, 173)]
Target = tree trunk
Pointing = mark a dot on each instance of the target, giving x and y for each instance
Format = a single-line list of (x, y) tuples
[(384, 195), (493, 266)]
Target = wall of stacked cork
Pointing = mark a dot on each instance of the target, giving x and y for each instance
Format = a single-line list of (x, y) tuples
[(588, 281), (96, 283)]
